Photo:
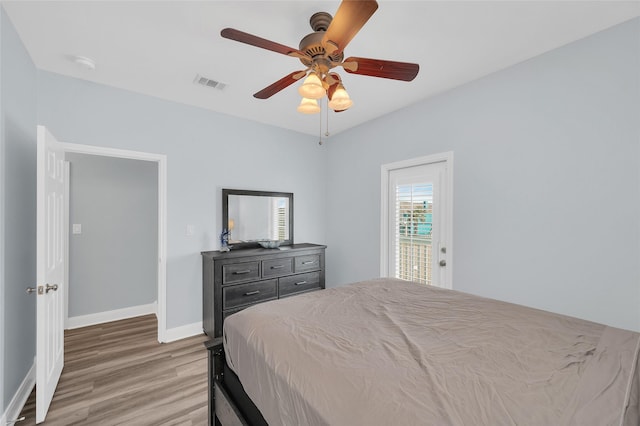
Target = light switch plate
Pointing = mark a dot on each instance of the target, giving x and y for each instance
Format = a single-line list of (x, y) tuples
[(77, 228), (190, 230)]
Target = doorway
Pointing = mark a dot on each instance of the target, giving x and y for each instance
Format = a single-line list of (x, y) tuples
[(160, 161), (416, 225)]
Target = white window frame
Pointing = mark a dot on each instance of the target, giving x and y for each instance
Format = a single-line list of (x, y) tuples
[(385, 170)]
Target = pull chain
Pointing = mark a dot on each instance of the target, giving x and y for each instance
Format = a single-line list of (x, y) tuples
[(320, 132), (327, 132)]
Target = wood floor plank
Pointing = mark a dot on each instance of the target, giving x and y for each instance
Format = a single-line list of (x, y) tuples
[(118, 374)]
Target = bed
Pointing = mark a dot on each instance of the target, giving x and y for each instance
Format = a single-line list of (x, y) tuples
[(387, 351)]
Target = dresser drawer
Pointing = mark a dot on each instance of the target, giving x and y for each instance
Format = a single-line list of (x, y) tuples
[(298, 283), (238, 272), (247, 294), (238, 279), (307, 263), (277, 267)]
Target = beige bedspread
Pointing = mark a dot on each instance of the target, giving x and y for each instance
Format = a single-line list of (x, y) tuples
[(389, 352)]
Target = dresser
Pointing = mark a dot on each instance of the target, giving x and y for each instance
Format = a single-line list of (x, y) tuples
[(237, 279)]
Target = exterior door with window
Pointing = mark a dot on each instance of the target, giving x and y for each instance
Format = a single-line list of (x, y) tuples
[(417, 224)]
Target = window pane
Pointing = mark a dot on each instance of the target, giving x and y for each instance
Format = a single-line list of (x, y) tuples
[(413, 226)]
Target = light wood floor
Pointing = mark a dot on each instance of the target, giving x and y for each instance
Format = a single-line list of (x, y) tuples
[(118, 374)]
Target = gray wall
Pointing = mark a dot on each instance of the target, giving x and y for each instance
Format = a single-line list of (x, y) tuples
[(113, 262), (546, 180), (205, 153), (543, 151), (18, 142)]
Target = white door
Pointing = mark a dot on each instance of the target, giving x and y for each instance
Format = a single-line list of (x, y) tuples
[(50, 269), (418, 223)]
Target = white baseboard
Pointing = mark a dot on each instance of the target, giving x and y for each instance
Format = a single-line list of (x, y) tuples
[(182, 332), (108, 316), (20, 398)]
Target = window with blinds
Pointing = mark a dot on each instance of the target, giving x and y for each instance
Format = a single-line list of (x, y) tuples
[(283, 221), (413, 232), (279, 229)]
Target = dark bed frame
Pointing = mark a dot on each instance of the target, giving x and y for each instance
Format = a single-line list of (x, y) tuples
[(228, 402)]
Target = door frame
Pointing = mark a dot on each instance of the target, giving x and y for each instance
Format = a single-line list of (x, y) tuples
[(161, 160), (385, 170)]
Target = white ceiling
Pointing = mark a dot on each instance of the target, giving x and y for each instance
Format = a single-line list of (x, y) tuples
[(157, 47)]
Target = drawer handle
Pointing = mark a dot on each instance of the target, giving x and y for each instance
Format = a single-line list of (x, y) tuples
[(251, 293), (301, 283), (309, 262), (277, 267), (246, 271)]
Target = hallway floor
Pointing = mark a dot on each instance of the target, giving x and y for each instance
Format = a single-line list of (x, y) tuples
[(118, 374)]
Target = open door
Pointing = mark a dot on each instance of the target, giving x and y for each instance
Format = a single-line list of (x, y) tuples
[(50, 269)]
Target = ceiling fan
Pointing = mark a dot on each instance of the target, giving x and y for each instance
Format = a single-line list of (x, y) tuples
[(322, 51)]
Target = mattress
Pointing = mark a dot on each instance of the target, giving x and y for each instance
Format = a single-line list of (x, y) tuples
[(387, 351)]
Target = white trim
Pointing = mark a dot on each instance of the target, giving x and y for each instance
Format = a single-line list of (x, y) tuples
[(108, 316), (67, 208), (384, 219), (20, 397), (111, 152), (385, 169), (161, 159), (183, 332), (162, 250), (2, 242)]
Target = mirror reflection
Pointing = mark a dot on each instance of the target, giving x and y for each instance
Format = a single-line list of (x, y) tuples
[(252, 218)]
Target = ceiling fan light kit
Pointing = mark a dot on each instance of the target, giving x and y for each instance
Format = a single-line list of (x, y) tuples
[(312, 87), (308, 106), (323, 50), (340, 100)]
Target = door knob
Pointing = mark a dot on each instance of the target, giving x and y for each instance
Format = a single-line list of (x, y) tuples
[(443, 263), (31, 290), (51, 287)]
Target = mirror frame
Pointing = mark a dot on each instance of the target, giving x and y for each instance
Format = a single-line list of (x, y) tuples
[(225, 212)]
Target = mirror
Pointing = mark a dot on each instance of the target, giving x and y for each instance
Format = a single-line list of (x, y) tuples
[(252, 216)]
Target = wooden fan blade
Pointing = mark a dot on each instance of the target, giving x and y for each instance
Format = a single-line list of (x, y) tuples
[(348, 20), (283, 83), (332, 79), (331, 90), (263, 43), (404, 71)]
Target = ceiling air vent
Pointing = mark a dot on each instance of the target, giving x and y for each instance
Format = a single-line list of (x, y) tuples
[(207, 82)]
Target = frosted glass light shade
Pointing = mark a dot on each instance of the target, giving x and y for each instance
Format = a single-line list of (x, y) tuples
[(312, 87), (309, 106), (340, 99)]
